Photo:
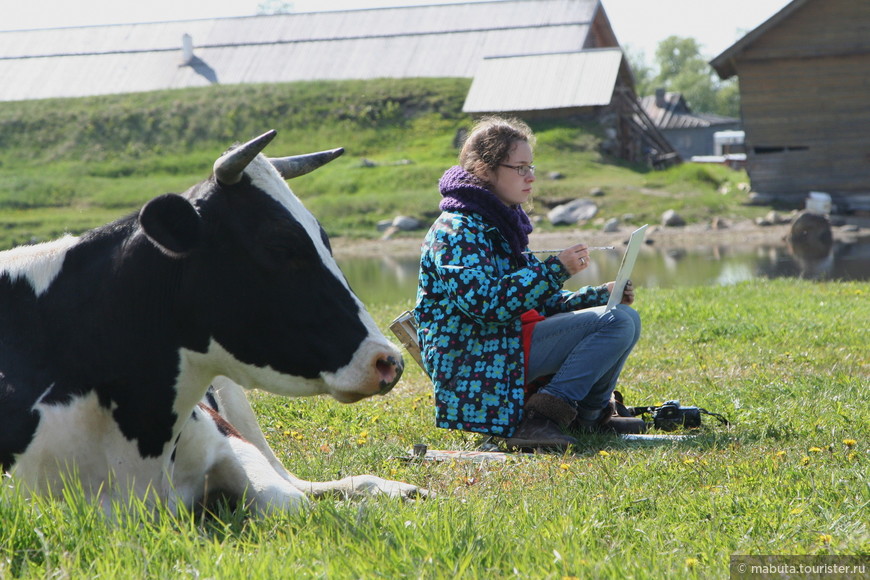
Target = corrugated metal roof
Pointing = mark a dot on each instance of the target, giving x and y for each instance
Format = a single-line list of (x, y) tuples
[(544, 81), (671, 112), (448, 40)]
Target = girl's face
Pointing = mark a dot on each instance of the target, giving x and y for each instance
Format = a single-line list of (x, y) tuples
[(508, 185)]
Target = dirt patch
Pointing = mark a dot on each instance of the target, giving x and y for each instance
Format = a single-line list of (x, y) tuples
[(742, 233)]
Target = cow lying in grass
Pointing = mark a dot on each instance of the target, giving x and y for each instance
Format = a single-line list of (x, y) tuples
[(110, 342)]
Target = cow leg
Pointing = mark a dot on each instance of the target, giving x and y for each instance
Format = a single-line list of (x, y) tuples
[(359, 485), (214, 461), (233, 406)]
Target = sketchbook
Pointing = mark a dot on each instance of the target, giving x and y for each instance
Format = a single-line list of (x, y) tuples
[(625, 268)]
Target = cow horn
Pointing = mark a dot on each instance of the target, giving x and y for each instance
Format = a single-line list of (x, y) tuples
[(290, 167), (228, 169)]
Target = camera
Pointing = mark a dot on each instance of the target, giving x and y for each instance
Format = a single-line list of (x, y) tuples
[(671, 416)]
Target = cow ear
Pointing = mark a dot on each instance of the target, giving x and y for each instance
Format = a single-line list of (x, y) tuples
[(171, 223)]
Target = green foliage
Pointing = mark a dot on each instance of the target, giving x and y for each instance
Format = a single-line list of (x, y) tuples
[(681, 68), (783, 360)]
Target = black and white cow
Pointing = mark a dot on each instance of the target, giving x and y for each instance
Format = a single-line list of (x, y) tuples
[(110, 343)]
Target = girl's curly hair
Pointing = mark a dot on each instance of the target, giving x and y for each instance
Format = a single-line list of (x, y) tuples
[(490, 143)]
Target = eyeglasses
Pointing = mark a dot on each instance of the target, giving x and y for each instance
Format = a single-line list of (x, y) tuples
[(522, 170)]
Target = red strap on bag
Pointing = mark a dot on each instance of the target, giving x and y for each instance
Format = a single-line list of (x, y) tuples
[(529, 319)]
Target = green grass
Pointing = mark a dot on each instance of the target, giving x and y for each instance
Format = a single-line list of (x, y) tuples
[(99, 158), (785, 360)]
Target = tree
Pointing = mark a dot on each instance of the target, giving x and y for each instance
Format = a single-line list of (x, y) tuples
[(682, 69)]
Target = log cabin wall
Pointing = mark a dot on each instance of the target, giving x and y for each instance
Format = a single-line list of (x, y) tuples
[(805, 99)]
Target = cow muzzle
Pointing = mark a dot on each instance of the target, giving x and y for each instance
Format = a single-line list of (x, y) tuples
[(390, 369), (378, 368)]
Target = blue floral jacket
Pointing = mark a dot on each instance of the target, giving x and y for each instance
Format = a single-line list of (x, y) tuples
[(470, 298)]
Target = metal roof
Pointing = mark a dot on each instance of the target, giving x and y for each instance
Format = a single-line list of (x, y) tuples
[(448, 40), (670, 111), (544, 81)]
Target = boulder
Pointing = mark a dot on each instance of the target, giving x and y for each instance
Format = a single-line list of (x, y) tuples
[(578, 210), (611, 225), (405, 223), (400, 223), (810, 236), (671, 219)]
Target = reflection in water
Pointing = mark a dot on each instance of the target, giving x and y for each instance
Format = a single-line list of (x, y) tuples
[(390, 279)]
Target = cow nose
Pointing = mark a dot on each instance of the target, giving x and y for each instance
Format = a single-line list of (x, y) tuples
[(390, 371)]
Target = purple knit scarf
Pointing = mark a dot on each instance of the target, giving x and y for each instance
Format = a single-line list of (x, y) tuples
[(462, 191)]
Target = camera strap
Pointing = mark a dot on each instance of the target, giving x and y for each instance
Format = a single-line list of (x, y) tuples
[(718, 416)]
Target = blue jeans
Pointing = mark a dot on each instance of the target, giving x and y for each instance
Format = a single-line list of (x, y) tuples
[(585, 351)]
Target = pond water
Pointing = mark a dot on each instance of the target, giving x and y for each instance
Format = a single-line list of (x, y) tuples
[(390, 279)]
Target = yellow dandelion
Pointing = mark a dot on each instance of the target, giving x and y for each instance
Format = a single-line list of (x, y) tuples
[(364, 433), (805, 460), (849, 442), (688, 461), (287, 433), (825, 538), (691, 562), (564, 466), (815, 449), (780, 453), (603, 453)]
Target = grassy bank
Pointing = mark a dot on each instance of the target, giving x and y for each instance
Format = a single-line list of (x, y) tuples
[(69, 165), (785, 360)]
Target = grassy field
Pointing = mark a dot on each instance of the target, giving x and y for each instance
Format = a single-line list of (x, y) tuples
[(786, 361), (69, 165)]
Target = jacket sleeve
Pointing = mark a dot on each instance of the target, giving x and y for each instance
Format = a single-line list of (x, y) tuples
[(567, 301), (585, 297), (464, 258)]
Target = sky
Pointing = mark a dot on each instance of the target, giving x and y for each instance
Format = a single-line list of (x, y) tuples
[(639, 24)]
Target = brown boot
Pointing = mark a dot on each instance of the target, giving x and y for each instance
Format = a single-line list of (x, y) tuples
[(542, 426)]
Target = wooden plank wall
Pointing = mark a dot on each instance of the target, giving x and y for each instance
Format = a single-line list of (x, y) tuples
[(805, 97)]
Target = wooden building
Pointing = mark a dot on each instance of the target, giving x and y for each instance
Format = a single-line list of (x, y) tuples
[(691, 134), (446, 40), (594, 84), (805, 97)]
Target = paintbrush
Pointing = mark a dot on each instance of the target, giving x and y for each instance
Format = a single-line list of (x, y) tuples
[(590, 248)]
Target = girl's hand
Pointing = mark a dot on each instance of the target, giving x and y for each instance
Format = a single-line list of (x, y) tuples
[(627, 294), (575, 258)]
